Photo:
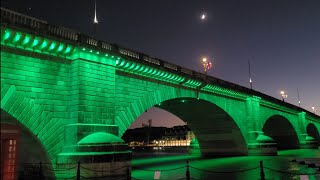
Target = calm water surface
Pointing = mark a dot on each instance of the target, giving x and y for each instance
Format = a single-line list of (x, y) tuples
[(173, 166)]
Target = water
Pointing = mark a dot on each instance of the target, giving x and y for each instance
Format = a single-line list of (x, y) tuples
[(174, 166)]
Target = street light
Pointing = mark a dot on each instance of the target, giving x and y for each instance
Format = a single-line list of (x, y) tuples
[(313, 109), (206, 64), (283, 95)]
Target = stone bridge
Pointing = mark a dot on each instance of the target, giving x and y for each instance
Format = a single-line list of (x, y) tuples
[(75, 96)]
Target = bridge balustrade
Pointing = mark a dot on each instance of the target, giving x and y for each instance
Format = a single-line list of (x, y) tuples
[(63, 32), (92, 42), (200, 75), (106, 46), (15, 18), (130, 53), (151, 60), (170, 66), (186, 71)]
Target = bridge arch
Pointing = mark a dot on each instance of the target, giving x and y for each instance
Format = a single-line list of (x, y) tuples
[(30, 150), (38, 123), (282, 131), (313, 131), (217, 132)]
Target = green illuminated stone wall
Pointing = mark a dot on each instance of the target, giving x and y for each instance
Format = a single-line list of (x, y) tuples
[(34, 90), (135, 96), (92, 90)]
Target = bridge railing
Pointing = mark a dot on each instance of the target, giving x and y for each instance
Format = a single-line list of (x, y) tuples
[(15, 19), (63, 32)]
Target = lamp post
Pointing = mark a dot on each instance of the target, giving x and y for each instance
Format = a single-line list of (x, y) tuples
[(313, 109), (283, 95), (206, 64)]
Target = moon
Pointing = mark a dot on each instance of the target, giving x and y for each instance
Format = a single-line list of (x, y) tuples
[(203, 17)]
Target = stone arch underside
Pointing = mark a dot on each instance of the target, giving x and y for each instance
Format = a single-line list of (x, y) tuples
[(30, 151), (313, 132), (282, 131), (38, 122), (216, 132)]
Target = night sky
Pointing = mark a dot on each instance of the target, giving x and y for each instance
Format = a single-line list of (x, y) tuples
[(280, 37)]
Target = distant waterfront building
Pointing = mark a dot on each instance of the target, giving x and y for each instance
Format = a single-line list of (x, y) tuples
[(159, 136), (178, 136)]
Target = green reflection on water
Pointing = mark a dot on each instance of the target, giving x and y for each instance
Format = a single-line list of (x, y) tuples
[(283, 162)]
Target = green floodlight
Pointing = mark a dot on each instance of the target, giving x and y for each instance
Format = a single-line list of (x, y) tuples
[(35, 42), (52, 46), (7, 34), (44, 44), (26, 40), (68, 49), (17, 37), (122, 63), (127, 64), (60, 48)]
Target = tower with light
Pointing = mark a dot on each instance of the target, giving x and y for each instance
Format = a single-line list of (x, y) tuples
[(95, 20)]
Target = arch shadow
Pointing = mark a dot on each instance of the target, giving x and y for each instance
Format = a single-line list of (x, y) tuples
[(281, 130), (313, 132), (217, 133)]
